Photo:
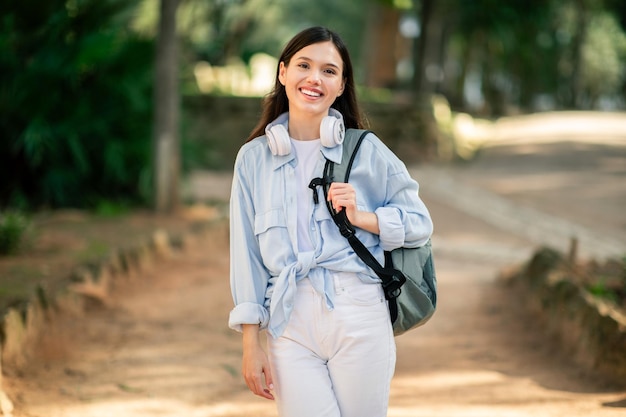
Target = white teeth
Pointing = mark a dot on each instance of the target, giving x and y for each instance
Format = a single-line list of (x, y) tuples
[(310, 93)]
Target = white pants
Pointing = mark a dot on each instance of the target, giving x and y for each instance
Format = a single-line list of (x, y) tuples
[(335, 363)]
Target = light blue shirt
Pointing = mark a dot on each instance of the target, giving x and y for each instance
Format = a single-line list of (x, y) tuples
[(264, 260)]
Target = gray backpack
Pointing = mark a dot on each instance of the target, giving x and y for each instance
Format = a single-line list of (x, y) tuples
[(408, 276)]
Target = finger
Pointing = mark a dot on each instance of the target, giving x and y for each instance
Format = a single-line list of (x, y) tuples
[(336, 205), (257, 389), (266, 393), (256, 385), (335, 189), (343, 192), (269, 382), (263, 392), (346, 201)]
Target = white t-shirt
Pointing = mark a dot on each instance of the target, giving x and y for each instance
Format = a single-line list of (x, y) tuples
[(307, 153)]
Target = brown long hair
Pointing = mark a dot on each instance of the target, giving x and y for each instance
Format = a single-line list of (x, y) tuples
[(276, 102)]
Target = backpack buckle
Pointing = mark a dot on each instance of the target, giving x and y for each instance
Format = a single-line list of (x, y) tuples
[(345, 227), (315, 182), (393, 285)]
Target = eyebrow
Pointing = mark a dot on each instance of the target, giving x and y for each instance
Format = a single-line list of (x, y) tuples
[(304, 58)]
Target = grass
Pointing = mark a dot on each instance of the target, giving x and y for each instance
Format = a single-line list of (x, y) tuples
[(14, 227), (61, 241)]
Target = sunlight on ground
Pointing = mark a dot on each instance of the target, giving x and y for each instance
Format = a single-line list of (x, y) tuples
[(237, 78), (484, 394), (436, 381), (590, 127), (468, 134), (458, 411), (443, 394), (162, 407)]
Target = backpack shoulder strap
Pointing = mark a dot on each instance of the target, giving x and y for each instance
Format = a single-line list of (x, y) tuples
[(391, 278), (351, 144), (341, 173)]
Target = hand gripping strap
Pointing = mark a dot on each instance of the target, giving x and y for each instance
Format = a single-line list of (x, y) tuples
[(392, 279)]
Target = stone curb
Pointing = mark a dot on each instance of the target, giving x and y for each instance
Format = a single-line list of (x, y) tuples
[(590, 330), (21, 326)]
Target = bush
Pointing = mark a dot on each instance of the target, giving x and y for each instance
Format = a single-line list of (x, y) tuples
[(75, 103), (13, 229), (606, 279)]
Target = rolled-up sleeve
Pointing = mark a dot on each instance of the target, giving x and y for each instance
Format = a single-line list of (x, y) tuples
[(248, 313), (404, 228), (403, 218), (391, 228), (248, 277)]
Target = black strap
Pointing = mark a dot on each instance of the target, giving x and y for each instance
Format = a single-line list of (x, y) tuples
[(392, 279)]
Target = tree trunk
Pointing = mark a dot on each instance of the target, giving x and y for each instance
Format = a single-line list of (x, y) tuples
[(575, 99), (420, 47), (381, 50), (166, 153)]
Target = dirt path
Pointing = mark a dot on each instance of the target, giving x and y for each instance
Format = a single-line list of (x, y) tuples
[(159, 346)]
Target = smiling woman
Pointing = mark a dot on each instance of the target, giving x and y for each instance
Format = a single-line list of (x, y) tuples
[(313, 80), (331, 350), (277, 101)]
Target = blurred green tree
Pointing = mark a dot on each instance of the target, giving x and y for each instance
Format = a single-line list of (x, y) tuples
[(166, 135), (76, 76), (496, 57), (220, 32), (75, 103)]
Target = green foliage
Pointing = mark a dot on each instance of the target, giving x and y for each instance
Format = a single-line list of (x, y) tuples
[(604, 52), (106, 208), (600, 289), (94, 250), (220, 31), (14, 227), (75, 103), (607, 280), (571, 52)]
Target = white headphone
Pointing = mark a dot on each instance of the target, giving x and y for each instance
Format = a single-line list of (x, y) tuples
[(332, 132)]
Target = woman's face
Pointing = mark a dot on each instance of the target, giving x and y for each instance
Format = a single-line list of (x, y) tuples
[(313, 79)]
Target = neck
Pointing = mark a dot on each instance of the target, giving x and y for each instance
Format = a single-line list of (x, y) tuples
[(304, 128)]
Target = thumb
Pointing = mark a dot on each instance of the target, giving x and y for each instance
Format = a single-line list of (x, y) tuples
[(269, 381)]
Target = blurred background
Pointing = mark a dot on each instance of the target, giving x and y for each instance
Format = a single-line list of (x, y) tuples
[(111, 103), (121, 118)]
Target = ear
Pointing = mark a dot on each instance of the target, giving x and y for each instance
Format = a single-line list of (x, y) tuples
[(343, 86), (281, 72)]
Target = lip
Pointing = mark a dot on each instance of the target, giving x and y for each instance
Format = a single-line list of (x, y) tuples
[(311, 93)]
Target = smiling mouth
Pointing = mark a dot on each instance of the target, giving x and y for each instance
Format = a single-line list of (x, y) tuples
[(310, 93)]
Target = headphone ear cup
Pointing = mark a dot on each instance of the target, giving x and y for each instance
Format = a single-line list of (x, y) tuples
[(278, 140), (332, 131)]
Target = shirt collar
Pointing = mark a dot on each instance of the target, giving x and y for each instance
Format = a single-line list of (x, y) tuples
[(333, 154), (280, 160)]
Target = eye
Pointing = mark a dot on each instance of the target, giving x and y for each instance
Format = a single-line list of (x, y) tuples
[(331, 71), (303, 65)]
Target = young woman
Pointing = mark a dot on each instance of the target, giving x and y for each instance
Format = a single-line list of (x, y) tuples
[(330, 350)]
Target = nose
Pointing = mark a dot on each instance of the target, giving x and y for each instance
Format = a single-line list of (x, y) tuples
[(314, 77)]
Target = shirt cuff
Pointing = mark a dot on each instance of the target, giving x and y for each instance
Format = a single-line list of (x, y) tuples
[(391, 229), (248, 313)]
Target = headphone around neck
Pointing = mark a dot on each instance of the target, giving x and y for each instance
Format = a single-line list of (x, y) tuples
[(332, 132)]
